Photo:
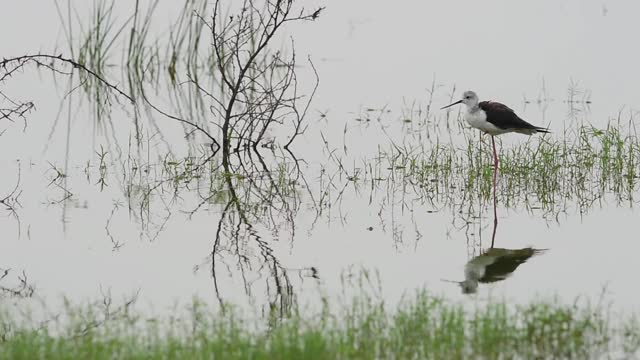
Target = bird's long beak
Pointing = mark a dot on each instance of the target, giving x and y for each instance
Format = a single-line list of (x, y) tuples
[(450, 105), (451, 281)]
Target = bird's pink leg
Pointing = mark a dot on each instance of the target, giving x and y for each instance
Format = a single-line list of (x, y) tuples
[(495, 153), (495, 227), (495, 173)]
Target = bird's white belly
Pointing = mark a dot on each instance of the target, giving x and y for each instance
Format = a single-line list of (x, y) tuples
[(478, 120)]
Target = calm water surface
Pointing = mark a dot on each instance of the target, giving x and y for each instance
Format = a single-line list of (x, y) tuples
[(377, 60)]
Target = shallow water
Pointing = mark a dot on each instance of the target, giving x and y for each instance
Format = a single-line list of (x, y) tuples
[(376, 63)]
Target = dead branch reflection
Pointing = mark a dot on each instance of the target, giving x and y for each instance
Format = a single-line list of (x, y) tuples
[(22, 287), (261, 197), (11, 200)]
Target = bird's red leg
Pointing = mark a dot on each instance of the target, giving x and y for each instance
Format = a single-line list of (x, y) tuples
[(495, 173), (495, 153), (495, 227)]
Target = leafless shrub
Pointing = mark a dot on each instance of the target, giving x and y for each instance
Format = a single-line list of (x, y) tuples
[(258, 86)]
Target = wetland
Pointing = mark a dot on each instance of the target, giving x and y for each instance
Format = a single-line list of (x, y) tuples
[(198, 179)]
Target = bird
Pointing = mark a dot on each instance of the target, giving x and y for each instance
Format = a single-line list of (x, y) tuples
[(495, 264), (494, 118)]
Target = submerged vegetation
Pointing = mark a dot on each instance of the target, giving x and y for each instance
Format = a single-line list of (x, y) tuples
[(547, 172), (422, 326)]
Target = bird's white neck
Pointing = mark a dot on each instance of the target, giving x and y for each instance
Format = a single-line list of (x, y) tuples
[(472, 108)]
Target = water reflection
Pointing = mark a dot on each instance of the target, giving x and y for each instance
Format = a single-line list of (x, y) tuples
[(259, 198), (494, 264)]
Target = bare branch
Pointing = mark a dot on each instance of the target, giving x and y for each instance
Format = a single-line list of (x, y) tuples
[(10, 66)]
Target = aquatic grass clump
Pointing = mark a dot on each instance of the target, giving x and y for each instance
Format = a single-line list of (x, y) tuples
[(422, 326), (93, 49), (545, 172)]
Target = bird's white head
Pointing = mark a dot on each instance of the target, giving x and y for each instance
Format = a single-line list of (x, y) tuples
[(469, 286), (469, 98)]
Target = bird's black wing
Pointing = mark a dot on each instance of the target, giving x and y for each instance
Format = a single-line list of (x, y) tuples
[(501, 269), (507, 263), (504, 117)]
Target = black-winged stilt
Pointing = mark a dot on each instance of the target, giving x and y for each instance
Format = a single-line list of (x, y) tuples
[(495, 264), (494, 118)]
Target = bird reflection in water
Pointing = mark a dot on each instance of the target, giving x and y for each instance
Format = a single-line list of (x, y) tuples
[(494, 264)]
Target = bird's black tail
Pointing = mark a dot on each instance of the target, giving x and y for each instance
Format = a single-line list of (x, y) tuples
[(542, 130)]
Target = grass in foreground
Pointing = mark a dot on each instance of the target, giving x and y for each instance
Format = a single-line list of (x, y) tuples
[(422, 327)]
